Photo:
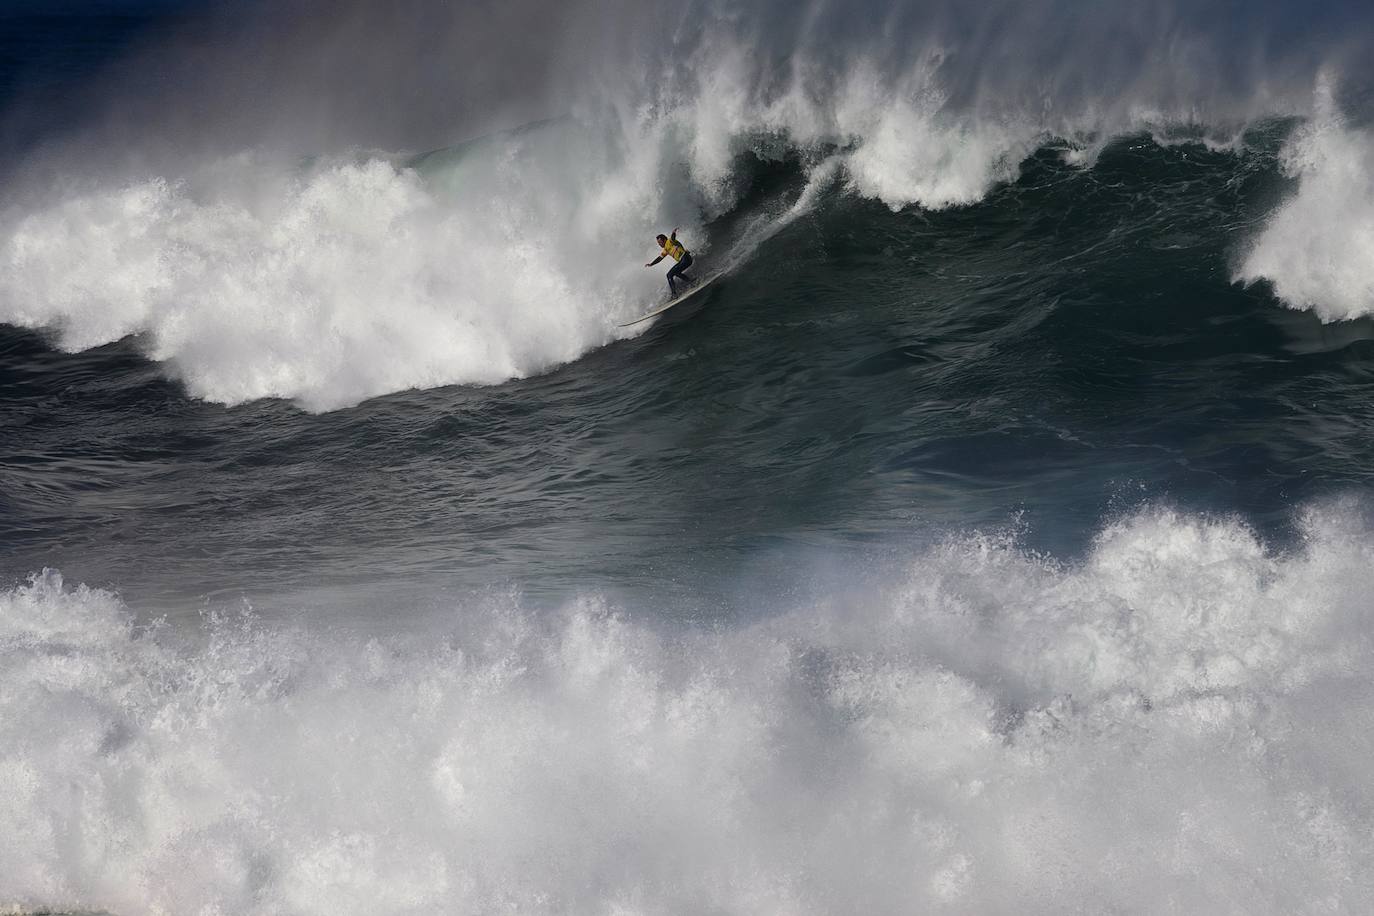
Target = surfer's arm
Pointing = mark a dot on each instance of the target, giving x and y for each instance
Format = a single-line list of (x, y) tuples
[(654, 261), (674, 234)]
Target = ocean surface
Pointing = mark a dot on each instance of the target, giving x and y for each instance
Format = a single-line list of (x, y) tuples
[(993, 536)]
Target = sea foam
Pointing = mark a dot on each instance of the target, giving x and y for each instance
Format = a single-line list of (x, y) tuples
[(1317, 249), (339, 280), (1178, 722)]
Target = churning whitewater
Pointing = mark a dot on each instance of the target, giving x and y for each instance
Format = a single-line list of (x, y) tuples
[(986, 732), (994, 535)]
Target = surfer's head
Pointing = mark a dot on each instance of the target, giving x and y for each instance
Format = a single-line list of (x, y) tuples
[(661, 238)]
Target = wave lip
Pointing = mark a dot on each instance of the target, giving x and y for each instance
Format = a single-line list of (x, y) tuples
[(1176, 722)]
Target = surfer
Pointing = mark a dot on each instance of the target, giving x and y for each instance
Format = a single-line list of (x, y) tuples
[(672, 247)]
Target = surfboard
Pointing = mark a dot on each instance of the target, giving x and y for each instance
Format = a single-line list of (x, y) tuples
[(678, 301)]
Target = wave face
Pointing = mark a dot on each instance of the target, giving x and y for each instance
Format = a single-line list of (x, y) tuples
[(1178, 722)]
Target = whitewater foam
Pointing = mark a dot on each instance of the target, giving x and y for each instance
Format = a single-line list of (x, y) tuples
[(332, 284), (1178, 722), (910, 150), (1317, 249)]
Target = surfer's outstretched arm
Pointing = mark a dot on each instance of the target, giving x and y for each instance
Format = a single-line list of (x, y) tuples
[(654, 261)]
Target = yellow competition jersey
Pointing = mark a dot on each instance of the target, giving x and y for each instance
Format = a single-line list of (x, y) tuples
[(674, 249)]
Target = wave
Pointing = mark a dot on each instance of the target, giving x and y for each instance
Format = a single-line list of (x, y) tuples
[(358, 274), (1175, 722)]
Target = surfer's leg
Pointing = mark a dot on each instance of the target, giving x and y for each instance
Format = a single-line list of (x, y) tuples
[(680, 272), (675, 271)]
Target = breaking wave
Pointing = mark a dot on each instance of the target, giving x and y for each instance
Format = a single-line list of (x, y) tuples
[(254, 275)]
